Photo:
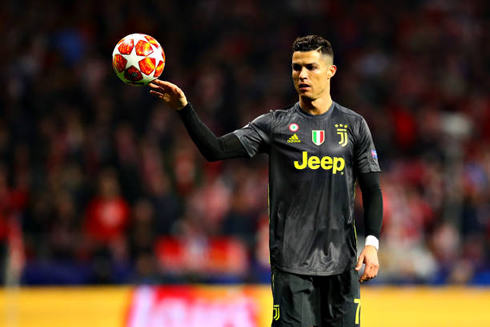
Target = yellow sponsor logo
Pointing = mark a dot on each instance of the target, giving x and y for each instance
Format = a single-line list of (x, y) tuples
[(294, 139), (336, 164)]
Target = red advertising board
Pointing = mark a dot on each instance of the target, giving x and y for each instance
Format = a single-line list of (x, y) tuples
[(199, 306)]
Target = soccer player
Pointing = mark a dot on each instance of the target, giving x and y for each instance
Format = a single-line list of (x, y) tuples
[(317, 150)]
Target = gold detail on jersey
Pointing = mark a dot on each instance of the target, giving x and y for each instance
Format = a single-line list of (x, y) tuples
[(342, 131), (276, 312), (336, 164), (294, 139)]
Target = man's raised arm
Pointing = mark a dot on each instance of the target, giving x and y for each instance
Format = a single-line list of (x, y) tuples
[(211, 147)]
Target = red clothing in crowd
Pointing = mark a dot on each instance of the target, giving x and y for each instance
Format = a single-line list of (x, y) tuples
[(107, 219)]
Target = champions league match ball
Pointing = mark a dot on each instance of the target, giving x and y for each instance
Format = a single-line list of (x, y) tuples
[(138, 59)]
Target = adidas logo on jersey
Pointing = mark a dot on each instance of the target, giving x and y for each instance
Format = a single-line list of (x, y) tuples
[(294, 139)]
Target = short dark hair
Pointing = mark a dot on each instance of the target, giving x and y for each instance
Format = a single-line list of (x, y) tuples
[(312, 43)]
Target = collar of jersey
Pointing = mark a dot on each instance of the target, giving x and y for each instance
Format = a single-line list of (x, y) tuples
[(310, 116)]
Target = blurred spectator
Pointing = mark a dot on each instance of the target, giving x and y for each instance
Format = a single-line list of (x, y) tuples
[(107, 213), (65, 235), (142, 235), (105, 226)]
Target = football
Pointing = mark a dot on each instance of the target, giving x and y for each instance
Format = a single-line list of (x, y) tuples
[(138, 59)]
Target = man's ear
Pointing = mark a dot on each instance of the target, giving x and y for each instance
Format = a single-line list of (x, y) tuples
[(332, 69)]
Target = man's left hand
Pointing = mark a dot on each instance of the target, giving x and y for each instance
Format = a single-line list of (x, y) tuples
[(368, 256)]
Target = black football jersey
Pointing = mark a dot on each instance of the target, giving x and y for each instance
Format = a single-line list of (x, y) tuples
[(313, 164)]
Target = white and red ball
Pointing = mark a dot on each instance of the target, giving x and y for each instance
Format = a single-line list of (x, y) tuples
[(138, 59)]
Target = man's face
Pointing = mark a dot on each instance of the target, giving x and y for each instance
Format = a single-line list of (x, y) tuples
[(311, 72)]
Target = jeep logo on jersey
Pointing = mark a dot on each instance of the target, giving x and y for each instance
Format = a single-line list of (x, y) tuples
[(335, 164), (318, 137)]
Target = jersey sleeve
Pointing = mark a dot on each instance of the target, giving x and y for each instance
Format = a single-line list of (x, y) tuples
[(366, 157), (256, 135)]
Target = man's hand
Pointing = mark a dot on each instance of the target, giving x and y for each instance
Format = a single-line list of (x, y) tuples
[(369, 256), (168, 92)]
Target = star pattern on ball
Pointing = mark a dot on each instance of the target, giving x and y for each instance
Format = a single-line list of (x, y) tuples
[(138, 59)]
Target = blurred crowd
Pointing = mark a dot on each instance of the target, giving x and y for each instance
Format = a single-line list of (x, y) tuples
[(100, 183)]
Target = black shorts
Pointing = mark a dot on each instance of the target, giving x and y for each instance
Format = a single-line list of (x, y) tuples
[(323, 301)]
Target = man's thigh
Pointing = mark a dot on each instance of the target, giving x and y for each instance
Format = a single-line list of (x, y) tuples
[(294, 300), (305, 301), (340, 301)]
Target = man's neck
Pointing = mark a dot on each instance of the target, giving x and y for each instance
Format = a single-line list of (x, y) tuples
[(316, 107)]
